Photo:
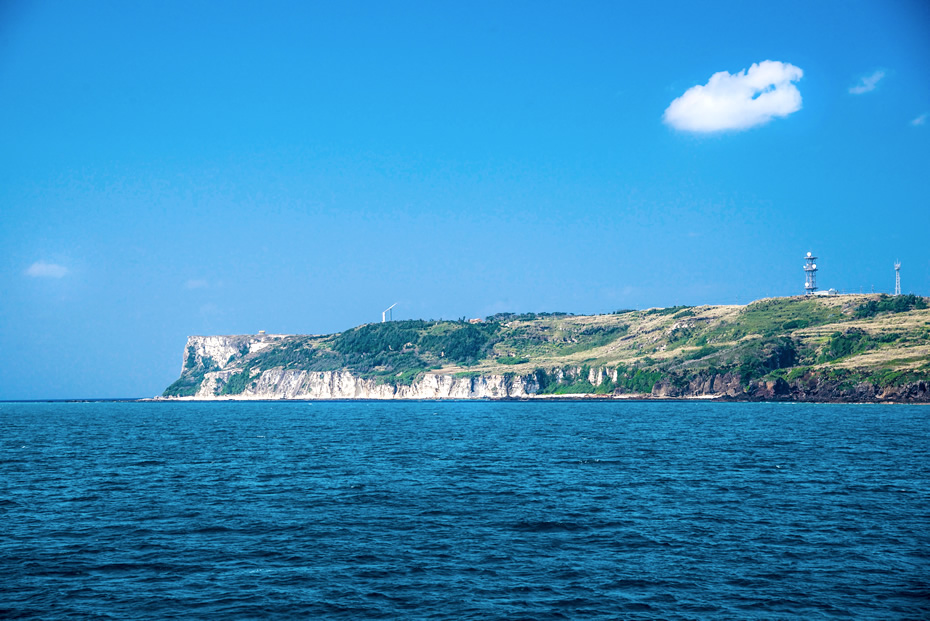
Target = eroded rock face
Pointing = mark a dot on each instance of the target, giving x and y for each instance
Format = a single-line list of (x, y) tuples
[(217, 358), (293, 384), (220, 351), (276, 384), (702, 386), (772, 390), (811, 388)]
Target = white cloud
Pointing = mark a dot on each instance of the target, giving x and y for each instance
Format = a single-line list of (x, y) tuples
[(921, 120), (41, 269), (738, 101), (868, 83)]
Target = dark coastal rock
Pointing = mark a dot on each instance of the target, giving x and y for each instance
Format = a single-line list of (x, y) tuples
[(715, 385), (916, 392), (771, 390), (665, 389), (808, 388), (820, 390)]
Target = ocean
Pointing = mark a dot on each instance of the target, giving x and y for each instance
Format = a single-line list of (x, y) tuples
[(464, 510)]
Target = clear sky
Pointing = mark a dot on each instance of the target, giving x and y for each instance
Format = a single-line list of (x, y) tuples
[(175, 168)]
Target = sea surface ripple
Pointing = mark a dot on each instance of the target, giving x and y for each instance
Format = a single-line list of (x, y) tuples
[(464, 510)]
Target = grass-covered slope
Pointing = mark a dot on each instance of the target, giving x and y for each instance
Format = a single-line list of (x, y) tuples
[(787, 344)]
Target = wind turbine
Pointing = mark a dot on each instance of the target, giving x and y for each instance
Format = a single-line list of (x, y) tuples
[(388, 310)]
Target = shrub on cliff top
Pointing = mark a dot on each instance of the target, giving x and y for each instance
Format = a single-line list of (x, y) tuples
[(288, 355), (671, 310), (465, 345), (376, 338), (512, 360), (890, 304)]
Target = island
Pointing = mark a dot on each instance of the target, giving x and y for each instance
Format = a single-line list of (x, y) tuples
[(833, 348)]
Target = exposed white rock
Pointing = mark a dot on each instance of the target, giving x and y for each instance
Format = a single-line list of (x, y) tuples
[(221, 350), (222, 353), (293, 384)]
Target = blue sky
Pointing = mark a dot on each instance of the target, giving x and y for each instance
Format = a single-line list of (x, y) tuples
[(176, 168)]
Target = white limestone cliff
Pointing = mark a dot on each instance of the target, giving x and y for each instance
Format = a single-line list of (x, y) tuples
[(295, 384)]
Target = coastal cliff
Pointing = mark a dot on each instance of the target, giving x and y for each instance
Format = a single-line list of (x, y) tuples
[(832, 349)]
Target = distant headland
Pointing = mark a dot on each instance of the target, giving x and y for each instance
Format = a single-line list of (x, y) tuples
[(838, 348)]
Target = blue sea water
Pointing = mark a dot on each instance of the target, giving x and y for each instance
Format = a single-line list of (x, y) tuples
[(464, 510)]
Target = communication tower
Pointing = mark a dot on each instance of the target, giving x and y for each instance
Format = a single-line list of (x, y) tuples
[(810, 274), (897, 278)]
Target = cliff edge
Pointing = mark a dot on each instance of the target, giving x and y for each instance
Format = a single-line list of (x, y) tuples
[(848, 348)]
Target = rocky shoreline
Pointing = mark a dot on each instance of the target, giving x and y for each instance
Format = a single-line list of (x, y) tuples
[(279, 384)]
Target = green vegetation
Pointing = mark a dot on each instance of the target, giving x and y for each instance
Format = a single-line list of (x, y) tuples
[(766, 356), (237, 383), (399, 352), (842, 344), (379, 338), (189, 383), (546, 339), (892, 375), (772, 317), (637, 379), (185, 386), (506, 317), (853, 341), (679, 336), (590, 338), (880, 378), (564, 381), (702, 352), (878, 340), (900, 377), (295, 354), (679, 311), (190, 361), (462, 344), (890, 304), (458, 342)]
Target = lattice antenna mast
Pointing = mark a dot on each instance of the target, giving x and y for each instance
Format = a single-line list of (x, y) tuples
[(897, 278), (810, 274)]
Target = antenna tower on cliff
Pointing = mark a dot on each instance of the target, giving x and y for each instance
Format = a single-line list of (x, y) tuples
[(810, 274), (386, 311), (897, 278)]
